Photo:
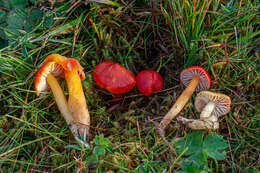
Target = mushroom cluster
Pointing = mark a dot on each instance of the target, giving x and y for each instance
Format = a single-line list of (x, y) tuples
[(118, 80), (194, 78), (211, 105), (75, 110), (108, 75)]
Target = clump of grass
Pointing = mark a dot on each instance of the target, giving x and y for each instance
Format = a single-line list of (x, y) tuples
[(163, 36)]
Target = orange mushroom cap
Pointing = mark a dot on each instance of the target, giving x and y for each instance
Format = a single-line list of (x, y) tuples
[(40, 83), (56, 58), (63, 61), (73, 64), (114, 77)]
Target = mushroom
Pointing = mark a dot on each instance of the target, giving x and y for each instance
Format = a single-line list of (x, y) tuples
[(75, 110), (212, 106), (149, 81), (194, 77), (77, 105), (113, 77), (45, 78)]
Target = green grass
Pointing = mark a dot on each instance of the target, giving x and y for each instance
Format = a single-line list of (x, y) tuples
[(167, 36)]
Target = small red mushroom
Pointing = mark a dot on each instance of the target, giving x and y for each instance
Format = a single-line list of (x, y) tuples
[(113, 77), (148, 82)]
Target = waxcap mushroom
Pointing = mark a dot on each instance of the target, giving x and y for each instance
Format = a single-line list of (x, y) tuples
[(149, 81), (113, 77), (211, 105), (204, 79), (74, 110), (221, 102)]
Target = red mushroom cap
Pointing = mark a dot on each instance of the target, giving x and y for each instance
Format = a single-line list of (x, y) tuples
[(148, 82), (114, 77), (188, 73)]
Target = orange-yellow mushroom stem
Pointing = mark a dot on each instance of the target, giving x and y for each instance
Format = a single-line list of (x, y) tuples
[(180, 102), (76, 102), (59, 98)]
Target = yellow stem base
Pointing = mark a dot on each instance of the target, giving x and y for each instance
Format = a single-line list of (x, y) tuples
[(77, 103), (59, 98)]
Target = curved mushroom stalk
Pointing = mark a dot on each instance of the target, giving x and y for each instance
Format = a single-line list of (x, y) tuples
[(59, 98), (199, 124), (45, 78), (180, 102), (76, 102)]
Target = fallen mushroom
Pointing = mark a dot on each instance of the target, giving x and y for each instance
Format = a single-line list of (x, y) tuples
[(211, 105), (113, 77), (194, 77), (199, 124), (75, 110), (148, 82)]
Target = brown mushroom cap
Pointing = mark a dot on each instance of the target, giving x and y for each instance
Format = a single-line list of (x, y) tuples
[(188, 73), (222, 102)]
